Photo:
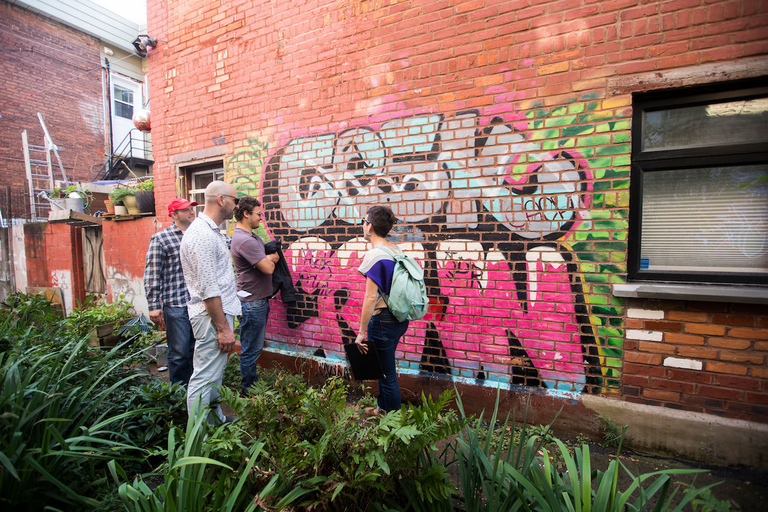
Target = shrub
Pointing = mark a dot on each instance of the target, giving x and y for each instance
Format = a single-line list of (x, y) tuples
[(91, 314), (28, 321), (193, 481), (328, 456), (525, 476), (58, 427)]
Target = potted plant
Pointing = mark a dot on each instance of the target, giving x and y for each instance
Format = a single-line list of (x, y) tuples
[(145, 196), (100, 320), (70, 198), (124, 196)]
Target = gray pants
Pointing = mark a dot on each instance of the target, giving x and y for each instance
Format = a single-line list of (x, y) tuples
[(208, 365)]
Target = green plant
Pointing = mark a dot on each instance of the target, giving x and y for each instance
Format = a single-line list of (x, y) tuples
[(706, 502), (91, 314), (232, 377), (58, 426), (118, 193), (612, 432), (527, 477), (148, 184), (25, 317), (193, 480), (328, 456), (63, 193), (164, 406)]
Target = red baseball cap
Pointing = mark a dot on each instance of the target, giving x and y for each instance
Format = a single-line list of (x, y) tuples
[(179, 204)]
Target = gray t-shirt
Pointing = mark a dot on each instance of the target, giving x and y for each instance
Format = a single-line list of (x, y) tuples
[(247, 250)]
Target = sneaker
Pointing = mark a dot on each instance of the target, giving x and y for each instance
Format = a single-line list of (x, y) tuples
[(230, 419)]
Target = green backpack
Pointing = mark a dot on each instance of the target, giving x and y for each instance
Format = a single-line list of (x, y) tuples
[(407, 298)]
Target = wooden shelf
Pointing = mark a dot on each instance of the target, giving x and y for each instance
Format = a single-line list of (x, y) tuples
[(73, 218), (127, 217)]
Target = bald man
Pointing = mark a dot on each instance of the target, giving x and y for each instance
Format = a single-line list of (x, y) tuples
[(213, 303)]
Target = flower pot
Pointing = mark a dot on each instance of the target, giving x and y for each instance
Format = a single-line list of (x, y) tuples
[(110, 207), (145, 200), (130, 203), (120, 209), (103, 335)]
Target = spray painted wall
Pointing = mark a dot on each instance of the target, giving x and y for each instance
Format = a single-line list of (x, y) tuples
[(519, 219)]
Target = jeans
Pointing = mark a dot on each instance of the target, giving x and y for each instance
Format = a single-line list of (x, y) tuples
[(181, 344), (253, 326), (385, 331), (209, 363)]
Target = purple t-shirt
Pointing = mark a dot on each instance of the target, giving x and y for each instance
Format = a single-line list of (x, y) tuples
[(247, 250), (379, 266)]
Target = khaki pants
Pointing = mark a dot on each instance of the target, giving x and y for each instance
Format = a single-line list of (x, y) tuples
[(208, 365)]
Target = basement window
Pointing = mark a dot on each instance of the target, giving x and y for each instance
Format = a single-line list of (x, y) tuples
[(699, 185)]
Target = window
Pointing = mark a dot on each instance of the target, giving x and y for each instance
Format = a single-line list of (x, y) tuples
[(197, 177), (123, 102), (699, 185)]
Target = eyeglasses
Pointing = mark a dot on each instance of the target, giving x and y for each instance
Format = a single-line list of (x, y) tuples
[(237, 199), (366, 221)]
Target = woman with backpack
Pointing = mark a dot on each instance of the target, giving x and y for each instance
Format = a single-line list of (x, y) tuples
[(377, 323)]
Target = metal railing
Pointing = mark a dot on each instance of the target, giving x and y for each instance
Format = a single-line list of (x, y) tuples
[(134, 148)]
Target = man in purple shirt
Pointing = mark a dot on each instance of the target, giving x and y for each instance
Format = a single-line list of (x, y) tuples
[(254, 270)]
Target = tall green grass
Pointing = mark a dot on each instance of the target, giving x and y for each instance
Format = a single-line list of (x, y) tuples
[(525, 476), (193, 481), (57, 425)]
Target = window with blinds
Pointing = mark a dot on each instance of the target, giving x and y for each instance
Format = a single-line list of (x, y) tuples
[(699, 185)]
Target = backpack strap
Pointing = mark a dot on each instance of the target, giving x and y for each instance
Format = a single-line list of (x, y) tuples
[(388, 251)]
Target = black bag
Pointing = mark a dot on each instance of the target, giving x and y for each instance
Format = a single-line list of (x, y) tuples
[(364, 366)]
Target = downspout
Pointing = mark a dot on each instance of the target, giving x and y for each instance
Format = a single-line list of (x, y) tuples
[(110, 149)]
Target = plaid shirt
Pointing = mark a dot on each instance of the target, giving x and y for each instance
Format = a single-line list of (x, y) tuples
[(163, 277)]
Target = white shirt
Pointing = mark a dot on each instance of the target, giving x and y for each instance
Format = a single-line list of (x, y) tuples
[(208, 267)]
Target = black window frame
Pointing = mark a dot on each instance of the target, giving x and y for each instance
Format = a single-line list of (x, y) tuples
[(674, 159)]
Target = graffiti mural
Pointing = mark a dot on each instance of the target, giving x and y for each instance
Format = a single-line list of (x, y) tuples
[(501, 208)]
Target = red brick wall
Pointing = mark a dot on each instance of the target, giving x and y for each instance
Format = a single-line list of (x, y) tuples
[(125, 249), (54, 258), (126, 243), (285, 91), (697, 356), (56, 71)]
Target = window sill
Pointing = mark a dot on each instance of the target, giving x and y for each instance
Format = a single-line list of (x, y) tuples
[(696, 292)]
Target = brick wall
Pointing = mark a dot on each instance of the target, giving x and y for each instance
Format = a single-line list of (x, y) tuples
[(697, 356), (125, 249), (56, 71), (53, 255), (499, 132)]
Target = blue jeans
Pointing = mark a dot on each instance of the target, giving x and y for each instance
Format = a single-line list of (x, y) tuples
[(385, 331), (253, 326), (181, 344)]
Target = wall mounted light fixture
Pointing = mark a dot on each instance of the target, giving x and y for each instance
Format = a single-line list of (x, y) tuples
[(143, 43)]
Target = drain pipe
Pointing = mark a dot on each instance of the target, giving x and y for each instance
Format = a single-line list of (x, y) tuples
[(108, 82)]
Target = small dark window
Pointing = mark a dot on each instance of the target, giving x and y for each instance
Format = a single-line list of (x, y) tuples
[(699, 185), (123, 103)]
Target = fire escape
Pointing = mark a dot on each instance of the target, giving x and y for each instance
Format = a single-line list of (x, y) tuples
[(133, 154)]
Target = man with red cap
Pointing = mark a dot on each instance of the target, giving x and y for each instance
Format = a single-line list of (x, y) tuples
[(167, 293)]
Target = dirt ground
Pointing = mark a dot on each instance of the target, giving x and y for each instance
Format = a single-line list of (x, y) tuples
[(745, 488)]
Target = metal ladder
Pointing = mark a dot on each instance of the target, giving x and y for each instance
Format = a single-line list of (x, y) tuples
[(39, 167)]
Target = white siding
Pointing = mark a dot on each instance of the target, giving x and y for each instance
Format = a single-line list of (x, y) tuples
[(87, 17)]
